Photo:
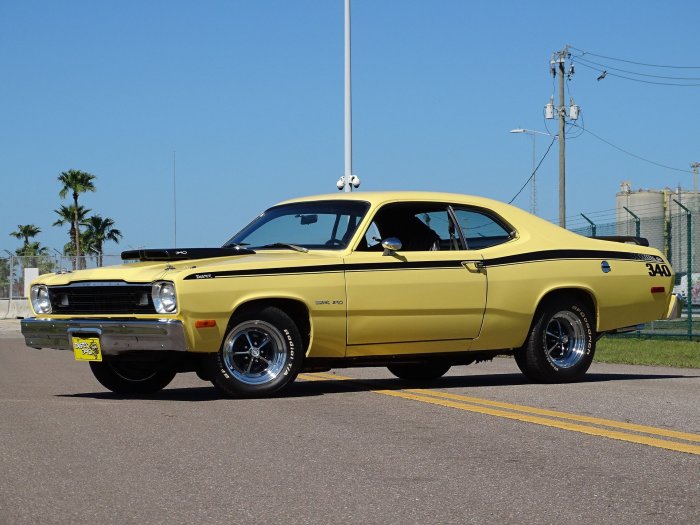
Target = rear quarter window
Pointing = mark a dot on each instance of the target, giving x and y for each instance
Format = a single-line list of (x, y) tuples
[(482, 230)]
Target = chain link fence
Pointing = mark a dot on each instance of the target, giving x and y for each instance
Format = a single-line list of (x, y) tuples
[(17, 272), (677, 236)]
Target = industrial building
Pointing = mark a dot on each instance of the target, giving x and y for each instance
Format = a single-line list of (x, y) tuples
[(662, 216)]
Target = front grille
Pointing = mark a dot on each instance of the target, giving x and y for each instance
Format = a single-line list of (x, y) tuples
[(102, 298)]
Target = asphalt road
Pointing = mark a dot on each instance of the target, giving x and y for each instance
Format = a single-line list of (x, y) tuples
[(479, 446)]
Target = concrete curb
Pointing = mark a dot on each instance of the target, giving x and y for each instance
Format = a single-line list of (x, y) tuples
[(14, 309)]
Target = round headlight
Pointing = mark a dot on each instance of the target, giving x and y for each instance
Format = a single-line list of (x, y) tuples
[(164, 297), (40, 299)]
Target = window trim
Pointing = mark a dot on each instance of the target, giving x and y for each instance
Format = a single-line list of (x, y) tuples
[(453, 218)]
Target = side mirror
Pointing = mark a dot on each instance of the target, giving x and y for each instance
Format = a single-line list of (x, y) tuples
[(390, 245)]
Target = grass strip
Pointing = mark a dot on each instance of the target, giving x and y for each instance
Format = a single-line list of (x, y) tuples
[(657, 352)]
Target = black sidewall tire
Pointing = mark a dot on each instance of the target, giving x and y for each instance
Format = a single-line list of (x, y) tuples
[(113, 374), (533, 360), (227, 384)]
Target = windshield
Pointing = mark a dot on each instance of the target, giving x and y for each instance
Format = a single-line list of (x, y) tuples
[(319, 225)]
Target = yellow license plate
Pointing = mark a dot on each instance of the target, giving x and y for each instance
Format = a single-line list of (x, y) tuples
[(87, 348)]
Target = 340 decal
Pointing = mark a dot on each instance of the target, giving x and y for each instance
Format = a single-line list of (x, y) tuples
[(658, 269)]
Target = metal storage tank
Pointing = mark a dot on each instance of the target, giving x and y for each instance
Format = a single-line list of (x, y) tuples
[(649, 206), (662, 221)]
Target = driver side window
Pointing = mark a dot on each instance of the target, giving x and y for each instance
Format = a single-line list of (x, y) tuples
[(373, 239), (419, 227)]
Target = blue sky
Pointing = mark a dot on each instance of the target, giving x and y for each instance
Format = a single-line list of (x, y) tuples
[(249, 94)]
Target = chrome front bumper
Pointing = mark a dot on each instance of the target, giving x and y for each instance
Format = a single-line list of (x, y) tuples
[(116, 336)]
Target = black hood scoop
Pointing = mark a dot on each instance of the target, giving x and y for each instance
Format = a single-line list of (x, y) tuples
[(182, 254)]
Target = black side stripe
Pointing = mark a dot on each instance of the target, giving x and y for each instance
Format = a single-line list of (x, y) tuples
[(554, 255), (541, 256), (325, 268)]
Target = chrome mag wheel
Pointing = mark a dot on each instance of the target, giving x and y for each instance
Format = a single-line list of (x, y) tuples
[(561, 343), (565, 339), (254, 353)]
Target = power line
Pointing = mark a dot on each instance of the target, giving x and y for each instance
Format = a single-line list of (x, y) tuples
[(534, 171), (635, 79), (580, 60), (632, 61), (630, 153)]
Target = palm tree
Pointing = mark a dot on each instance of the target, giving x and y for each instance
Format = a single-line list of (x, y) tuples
[(98, 231), (66, 215), (26, 232), (34, 255), (32, 249), (77, 182)]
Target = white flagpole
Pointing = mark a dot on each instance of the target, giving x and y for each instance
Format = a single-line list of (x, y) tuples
[(347, 186)]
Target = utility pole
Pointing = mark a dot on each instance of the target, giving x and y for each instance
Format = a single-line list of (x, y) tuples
[(559, 61), (558, 66)]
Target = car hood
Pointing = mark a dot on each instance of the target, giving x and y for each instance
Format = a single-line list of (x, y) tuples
[(149, 271)]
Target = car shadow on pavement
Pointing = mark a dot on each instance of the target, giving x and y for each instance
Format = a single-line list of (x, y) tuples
[(326, 384), (203, 393), (329, 385)]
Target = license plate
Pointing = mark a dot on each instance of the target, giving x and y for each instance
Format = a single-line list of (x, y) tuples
[(87, 348)]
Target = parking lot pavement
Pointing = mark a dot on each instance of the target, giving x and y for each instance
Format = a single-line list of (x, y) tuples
[(350, 446)]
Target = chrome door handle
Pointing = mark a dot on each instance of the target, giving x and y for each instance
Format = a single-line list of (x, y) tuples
[(474, 266)]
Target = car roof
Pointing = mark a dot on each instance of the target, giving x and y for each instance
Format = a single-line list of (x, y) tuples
[(380, 197), (526, 224)]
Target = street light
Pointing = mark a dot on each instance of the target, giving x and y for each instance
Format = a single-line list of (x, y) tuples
[(533, 193)]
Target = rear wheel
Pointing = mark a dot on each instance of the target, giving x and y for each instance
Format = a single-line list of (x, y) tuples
[(419, 371), (132, 377), (561, 343), (261, 354)]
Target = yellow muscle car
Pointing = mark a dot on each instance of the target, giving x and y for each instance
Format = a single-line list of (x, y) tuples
[(414, 281)]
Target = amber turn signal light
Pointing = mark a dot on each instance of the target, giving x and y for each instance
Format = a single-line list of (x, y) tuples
[(205, 323)]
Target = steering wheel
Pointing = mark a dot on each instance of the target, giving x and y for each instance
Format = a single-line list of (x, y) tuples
[(333, 242)]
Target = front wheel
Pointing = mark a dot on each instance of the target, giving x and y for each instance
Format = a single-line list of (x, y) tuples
[(261, 354), (126, 377), (561, 343)]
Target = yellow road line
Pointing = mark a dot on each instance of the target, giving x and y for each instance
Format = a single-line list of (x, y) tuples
[(538, 420), (315, 377), (563, 415), (482, 406)]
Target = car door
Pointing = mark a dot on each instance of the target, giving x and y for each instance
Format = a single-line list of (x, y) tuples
[(425, 291)]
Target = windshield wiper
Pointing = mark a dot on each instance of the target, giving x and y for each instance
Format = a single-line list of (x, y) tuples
[(286, 245)]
